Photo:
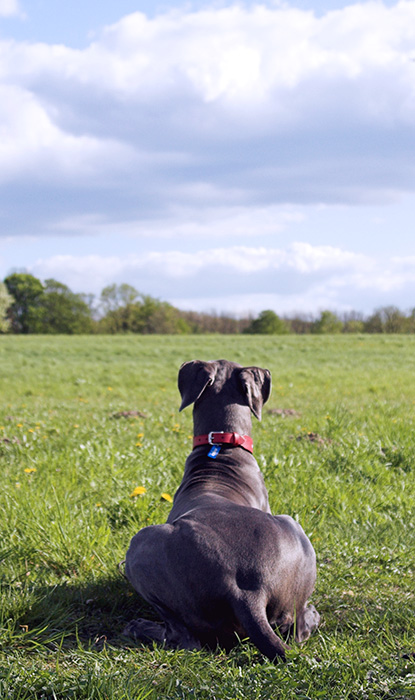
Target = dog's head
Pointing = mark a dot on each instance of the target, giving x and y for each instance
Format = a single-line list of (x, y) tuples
[(223, 384)]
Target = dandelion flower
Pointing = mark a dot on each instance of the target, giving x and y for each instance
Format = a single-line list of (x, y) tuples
[(138, 491), (138, 444), (110, 388), (30, 470), (20, 425), (167, 497)]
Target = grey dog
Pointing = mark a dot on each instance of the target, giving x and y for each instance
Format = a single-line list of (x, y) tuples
[(223, 567)]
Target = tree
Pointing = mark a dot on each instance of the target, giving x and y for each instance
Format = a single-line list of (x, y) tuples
[(154, 316), (25, 312), (62, 311), (116, 296), (129, 311), (388, 319), (116, 305), (267, 323), (353, 322), (327, 323), (6, 300), (301, 323)]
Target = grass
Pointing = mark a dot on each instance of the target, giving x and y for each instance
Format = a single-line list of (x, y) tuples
[(343, 464)]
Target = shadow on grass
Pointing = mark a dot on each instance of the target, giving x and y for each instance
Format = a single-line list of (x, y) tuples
[(72, 614)]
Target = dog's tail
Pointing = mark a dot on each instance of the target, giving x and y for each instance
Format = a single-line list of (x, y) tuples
[(252, 616)]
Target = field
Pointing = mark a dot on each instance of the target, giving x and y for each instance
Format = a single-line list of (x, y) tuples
[(339, 457)]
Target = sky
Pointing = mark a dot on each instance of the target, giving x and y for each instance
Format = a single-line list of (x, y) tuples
[(222, 156)]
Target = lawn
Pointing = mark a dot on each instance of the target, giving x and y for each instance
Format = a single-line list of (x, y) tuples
[(84, 421)]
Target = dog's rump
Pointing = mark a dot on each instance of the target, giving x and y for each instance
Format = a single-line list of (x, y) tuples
[(228, 592)]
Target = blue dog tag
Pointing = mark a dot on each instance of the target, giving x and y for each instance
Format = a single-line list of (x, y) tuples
[(214, 451)]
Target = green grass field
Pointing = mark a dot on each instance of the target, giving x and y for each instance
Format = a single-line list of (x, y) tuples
[(343, 464)]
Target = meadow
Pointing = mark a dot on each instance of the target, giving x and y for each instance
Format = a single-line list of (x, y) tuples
[(92, 448)]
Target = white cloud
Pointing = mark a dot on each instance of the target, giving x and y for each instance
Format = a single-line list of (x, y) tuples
[(302, 258), (8, 8), (32, 144), (268, 102), (299, 277), (184, 222), (255, 54)]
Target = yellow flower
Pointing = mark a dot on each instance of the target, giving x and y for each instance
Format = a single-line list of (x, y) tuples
[(1, 427), (98, 505), (140, 435), (20, 425), (75, 425), (18, 484), (30, 470), (110, 388), (30, 430), (138, 444), (167, 497), (138, 491)]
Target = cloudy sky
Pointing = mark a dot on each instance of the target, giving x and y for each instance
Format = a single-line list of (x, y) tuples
[(228, 156)]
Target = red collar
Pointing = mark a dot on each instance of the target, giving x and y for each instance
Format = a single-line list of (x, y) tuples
[(220, 438)]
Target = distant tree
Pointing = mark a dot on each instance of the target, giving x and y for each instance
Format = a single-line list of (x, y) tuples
[(394, 321), (411, 321), (154, 316), (116, 305), (6, 300), (301, 323), (267, 323), (354, 326), (62, 311), (374, 323), (116, 296), (25, 312), (129, 311), (202, 322), (388, 319), (327, 323), (353, 322)]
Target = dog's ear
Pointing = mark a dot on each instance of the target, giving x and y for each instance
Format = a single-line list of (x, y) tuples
[(256, 384), (194, 377)]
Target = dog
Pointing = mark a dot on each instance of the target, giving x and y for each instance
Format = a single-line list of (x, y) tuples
[(222, 567)]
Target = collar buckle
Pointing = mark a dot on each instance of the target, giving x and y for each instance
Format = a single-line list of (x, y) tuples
[(211, 434)]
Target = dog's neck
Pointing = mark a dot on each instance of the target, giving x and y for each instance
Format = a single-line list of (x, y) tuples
[(229, 418)]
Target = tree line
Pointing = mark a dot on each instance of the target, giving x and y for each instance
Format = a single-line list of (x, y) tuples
[(28, 306)]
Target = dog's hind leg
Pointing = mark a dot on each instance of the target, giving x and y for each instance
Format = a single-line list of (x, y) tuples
[(253, 618)]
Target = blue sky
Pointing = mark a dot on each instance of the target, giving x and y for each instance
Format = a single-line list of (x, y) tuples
[(222, 156)]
